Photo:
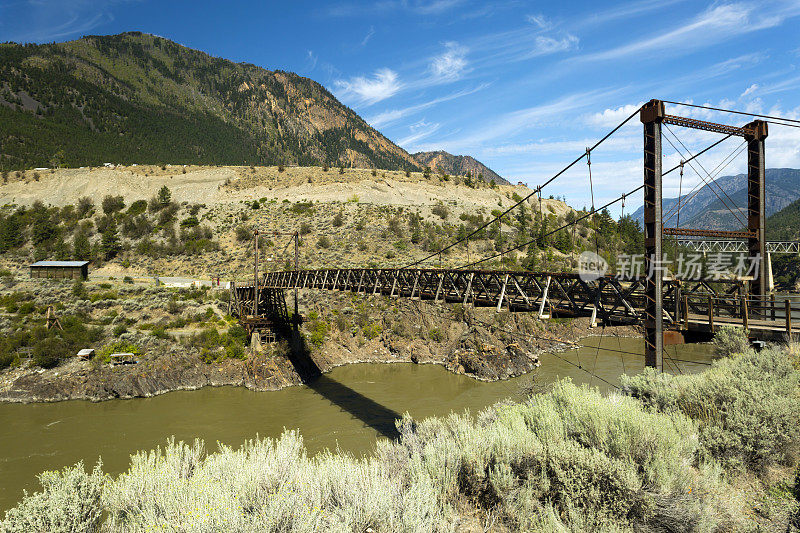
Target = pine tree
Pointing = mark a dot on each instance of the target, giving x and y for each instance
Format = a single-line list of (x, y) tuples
[(110, 245), (81, 249), (164, 196)]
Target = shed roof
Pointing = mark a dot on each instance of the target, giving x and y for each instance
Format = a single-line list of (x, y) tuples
[(60, 263)]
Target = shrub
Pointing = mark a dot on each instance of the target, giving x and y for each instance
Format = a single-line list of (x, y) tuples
[(117, 347), (747, 406), (730, 340), (305, 228), (324, 241), (190, 222), (49, 352), (112, 204), (137, 208), (371, 330), (243, 233), (302, 208), (318, 330), (70, 500), (441, 211), (84, 207), (338, 220), (341, 170)]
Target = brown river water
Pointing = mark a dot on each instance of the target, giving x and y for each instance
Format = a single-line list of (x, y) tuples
[(349, 407)]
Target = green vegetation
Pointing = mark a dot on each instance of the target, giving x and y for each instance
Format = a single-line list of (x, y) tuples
[(130, 98), (569, 459), (215, 346), (747, 407), (104, 354), (69, 232), (48, 346)]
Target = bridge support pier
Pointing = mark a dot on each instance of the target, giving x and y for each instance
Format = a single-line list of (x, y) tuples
[(651, 115), (756, 244)]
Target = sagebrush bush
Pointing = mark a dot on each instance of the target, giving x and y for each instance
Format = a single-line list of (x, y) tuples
[(730, 340), (570, 459), (747, 406), (70, 501)]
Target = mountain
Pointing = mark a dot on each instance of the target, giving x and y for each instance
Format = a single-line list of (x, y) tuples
[(706, 210), (785, 224), (138, 98), (457, 165)]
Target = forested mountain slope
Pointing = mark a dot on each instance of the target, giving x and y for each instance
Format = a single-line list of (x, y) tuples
[(138, 98)]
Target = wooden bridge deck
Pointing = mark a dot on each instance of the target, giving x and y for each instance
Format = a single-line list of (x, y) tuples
[(687, 303)]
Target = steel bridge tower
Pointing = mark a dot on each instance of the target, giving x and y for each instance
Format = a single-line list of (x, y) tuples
[(652, 116)]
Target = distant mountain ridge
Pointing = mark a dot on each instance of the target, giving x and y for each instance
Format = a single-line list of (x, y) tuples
[(706, 211), (139, 98), (457, 165)]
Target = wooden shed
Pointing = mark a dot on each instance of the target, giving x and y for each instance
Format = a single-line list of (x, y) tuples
[(60, 269)]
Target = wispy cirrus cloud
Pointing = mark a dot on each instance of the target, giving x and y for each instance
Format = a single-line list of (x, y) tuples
[(719, 23), (368, 36), (49, 20), (419, 130), (393, 115), (450, 64), (513, 123), (387, 7), (382, 85), (539, 21)]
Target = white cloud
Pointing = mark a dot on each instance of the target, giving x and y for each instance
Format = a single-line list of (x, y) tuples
[(515, 122), (387, 7), (370, 90), (451, 64), (717, 24), (368, 36), (393, 115), (548, 45), (433, 7), (539, 20), (750, 90), (419, 131), (311, 60), (609, 118)]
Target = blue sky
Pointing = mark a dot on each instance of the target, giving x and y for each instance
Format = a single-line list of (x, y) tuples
[(522, 86)]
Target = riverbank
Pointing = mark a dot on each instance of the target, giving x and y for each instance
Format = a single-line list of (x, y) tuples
[(177, 332), (709, 452)]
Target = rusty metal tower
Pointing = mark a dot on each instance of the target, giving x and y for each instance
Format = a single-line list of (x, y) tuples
[(652, 116)]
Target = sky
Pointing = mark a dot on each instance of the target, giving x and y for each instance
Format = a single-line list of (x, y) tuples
[(524, 87)]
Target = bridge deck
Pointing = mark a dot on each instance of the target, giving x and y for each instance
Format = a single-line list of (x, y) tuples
[(687, 303)]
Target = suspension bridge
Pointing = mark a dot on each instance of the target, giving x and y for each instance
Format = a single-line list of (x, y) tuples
[(665, 305)]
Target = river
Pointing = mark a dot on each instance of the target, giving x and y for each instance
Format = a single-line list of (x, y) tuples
[(348, 407)]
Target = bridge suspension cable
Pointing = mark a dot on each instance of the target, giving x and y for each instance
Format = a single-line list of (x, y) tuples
[(689, 196), (527, 243), (537, 190), (708, 183), (756, 115)]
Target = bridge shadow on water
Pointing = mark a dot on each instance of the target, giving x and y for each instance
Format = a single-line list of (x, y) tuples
[(371, 413)]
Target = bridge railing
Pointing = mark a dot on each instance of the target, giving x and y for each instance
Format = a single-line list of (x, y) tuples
[(770, 312)]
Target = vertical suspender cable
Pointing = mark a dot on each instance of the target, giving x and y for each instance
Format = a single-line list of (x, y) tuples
[(680, 189)]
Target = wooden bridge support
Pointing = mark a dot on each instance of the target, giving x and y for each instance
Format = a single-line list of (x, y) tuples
[(651, 115)]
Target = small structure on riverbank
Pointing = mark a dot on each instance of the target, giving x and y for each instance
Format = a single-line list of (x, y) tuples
[(60, 269)]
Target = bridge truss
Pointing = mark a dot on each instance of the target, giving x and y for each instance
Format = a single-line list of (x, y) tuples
[(737, 246)]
